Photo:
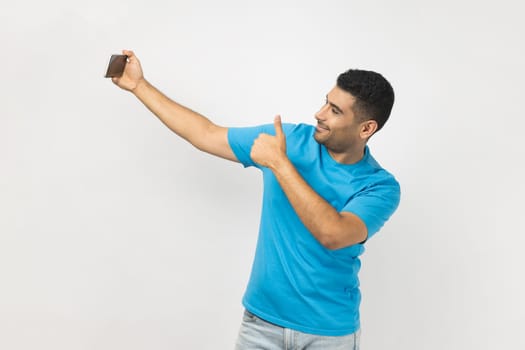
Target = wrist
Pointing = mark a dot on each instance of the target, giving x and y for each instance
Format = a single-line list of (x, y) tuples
[(141, 84), (280, 164)]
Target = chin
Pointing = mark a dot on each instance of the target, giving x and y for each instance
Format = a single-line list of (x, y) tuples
[(320, 140)]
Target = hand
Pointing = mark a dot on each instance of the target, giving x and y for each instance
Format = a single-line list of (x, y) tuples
[(132, 75), (268, 150)]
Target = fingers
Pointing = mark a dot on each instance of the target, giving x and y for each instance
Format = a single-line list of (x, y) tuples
[(131, 56), (278, 126), (128, 53)]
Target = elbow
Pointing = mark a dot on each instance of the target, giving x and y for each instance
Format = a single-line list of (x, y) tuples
[(202, 139), (333, 240), (331, 245), (330, 241)]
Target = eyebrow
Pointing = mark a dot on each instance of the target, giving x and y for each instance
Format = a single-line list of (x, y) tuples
[(334, 105)]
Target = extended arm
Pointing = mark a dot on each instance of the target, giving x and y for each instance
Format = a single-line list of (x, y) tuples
[(191, 126), (332, 229)]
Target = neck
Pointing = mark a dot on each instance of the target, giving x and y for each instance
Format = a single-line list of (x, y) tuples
[(349, 156)]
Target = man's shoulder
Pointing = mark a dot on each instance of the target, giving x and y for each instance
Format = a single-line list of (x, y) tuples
[(378, 174)]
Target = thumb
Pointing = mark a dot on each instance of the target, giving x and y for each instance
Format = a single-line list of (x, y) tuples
[(278, 126)]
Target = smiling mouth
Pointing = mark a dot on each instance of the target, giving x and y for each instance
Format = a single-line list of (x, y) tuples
[(321, 128)]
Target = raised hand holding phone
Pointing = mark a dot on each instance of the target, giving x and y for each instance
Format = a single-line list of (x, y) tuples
[(131, 74)]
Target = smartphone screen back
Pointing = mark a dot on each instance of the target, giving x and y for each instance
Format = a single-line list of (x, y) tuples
[(116, 66)]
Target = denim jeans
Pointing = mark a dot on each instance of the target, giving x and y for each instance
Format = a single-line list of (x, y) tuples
[(256, 333)]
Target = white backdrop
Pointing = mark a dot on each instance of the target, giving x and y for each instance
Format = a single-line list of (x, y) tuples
[(115, 234)]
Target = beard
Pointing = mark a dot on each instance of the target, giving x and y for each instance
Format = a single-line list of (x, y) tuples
[(332, 142)]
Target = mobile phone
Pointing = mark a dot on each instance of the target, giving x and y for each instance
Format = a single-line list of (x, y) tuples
[(116, 66)]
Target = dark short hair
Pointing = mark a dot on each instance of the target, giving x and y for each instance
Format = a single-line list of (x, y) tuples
[(374, 94)]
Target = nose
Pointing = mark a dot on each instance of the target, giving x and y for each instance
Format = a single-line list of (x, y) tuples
[(321, 114)]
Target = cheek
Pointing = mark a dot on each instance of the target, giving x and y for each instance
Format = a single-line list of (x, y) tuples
[(337, 126), (344, 132)]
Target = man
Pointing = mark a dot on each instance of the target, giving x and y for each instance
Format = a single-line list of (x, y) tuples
[(324, 196)]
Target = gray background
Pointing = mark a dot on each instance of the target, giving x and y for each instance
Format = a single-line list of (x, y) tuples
[(115, 234)]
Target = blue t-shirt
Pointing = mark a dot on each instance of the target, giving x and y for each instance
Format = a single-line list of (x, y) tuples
[(295, 281)]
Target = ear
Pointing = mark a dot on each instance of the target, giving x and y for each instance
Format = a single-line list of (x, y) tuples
[(368, 128)]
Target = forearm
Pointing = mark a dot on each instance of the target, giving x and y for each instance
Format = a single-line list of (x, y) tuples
[(328, 226), (186, 123)]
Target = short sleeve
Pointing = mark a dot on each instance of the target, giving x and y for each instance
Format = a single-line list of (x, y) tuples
[(241, 140), (376, 204)]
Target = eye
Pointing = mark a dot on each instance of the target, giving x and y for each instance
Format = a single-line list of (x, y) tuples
[(335, 111)]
